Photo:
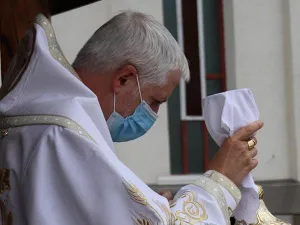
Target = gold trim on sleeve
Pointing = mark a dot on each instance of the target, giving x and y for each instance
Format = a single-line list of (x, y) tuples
[(227, 184), (212, 188)]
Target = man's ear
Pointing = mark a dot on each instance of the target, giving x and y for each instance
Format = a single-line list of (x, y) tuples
[(124, 78)]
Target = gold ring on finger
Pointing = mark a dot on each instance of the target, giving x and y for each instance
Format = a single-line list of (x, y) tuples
[(251, 144), (255, 140)]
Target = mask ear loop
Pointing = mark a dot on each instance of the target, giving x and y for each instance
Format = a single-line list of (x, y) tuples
[(138, 83), (114, 102)]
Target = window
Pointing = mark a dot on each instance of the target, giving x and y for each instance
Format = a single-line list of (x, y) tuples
[(198, 27)]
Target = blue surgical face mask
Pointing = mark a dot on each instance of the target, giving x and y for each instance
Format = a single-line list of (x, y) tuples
[(134, 126)]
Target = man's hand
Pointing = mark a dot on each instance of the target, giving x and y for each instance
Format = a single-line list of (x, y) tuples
[(234, 159), (167, 194)]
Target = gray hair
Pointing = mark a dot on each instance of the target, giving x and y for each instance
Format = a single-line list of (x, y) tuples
[(136, 39)]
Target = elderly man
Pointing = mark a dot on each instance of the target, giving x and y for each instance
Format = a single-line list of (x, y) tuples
[(57, 155)]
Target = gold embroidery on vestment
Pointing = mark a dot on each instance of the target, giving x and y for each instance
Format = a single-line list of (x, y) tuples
[(172, 203), (192, 211), (212, 188), (227, 184), (170, 216), (17, 121), (139, 219), (137, 196)]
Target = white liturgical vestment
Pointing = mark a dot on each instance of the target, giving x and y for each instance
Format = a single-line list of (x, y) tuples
[(224, 114), (57, 161)]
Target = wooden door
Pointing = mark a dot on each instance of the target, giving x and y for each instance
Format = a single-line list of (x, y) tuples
[(15, 18)]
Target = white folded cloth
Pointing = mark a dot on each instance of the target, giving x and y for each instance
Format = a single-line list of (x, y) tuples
[(224, 114)]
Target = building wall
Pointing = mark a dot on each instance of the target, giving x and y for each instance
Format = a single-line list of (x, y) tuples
[(258, 57), (148, 156)]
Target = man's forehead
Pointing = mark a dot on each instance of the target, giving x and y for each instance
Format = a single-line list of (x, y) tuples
[(164, 91), (173, 79)]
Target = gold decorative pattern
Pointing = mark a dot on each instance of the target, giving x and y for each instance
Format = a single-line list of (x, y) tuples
[(172, 203), (53, 45), (260, 192), (137, 196), (227, 184), (17, 121), (264, 217), (212, 188), (192, 211), (139, 219), (170, 216)]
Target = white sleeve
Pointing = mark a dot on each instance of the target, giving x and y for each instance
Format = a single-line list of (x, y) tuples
[(210, 200), (70, 180)]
